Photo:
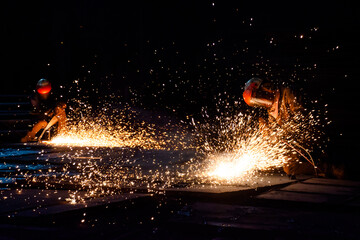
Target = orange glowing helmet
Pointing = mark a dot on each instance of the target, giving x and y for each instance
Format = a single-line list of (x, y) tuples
[(43, 86), (255, 95)]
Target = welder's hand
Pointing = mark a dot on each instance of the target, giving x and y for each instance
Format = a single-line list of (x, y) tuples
[(60, 108)]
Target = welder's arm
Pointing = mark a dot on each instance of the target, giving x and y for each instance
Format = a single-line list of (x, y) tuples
[(52, 122), (48, 113), (57, 118), (60, 117), (293, 102)]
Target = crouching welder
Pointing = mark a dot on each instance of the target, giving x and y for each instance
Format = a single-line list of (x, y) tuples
[(47, 110), (281, 105)]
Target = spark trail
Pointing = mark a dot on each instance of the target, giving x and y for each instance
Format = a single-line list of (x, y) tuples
[(230, 150), (237, 150)]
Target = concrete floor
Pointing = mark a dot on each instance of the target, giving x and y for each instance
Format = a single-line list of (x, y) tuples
[(273, 208)]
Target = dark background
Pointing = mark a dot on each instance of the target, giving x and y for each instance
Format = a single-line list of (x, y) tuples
[(178, 56)]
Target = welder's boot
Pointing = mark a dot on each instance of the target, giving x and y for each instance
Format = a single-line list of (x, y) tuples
[(294, 168), (333, 170), (338, 171)]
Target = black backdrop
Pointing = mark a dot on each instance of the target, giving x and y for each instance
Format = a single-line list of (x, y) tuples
[(176, 56)]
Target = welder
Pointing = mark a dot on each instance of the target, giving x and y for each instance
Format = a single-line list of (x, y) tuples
[(281, 105), (46, 109)]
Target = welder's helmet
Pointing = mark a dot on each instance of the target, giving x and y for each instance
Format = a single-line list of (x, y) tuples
[(258, 94), (43, 86)]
